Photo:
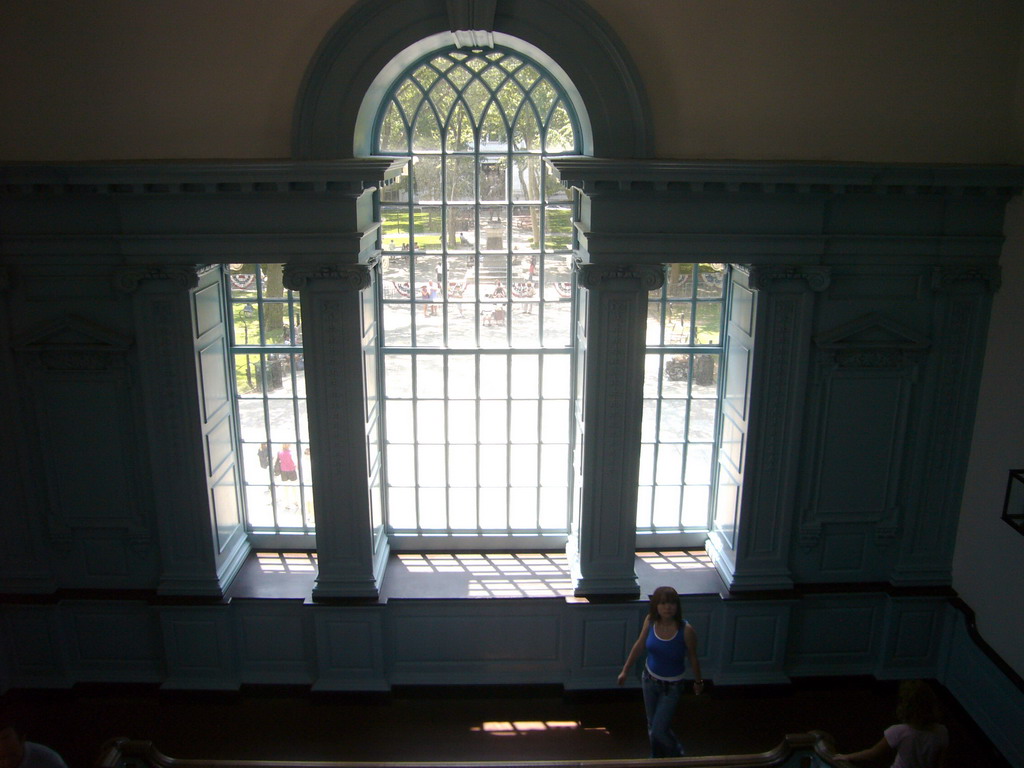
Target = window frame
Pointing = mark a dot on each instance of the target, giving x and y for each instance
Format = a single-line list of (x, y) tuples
[(683, 535), (518, 538)]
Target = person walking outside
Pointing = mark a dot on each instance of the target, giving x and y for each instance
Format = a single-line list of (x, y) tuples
[(668, 640)]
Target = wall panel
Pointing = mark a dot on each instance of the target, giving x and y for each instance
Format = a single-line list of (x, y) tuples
[(113, 641), (350, 649), (274, 641)]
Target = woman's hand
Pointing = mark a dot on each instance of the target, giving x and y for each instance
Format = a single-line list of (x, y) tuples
[(622, 677), (698, 687)]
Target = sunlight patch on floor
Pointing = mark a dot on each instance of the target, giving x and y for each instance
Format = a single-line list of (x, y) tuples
[(677, 560), (287, 562), (525, 727), (499, 574)]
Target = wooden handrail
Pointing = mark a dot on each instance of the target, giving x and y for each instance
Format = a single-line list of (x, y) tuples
[(129, 753)]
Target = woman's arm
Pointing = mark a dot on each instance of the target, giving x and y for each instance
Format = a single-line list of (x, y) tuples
[(880, 750), (634, 652), (690, 638)]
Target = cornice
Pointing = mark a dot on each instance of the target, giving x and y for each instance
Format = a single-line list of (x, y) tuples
[(767, 277), (129, 278), (355, 277), (595, 174), (159, 178), (646, 277), (966, 277)]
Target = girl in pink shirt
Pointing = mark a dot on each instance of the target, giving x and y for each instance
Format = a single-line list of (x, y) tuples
[(919, 741)]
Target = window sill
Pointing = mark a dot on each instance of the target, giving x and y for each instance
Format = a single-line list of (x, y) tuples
[(457, 576)]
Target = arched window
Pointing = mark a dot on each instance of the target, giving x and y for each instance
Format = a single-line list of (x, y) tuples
[(476, 304)]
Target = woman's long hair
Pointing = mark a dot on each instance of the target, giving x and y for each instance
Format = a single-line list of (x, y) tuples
[(919, 706), (665, 595)]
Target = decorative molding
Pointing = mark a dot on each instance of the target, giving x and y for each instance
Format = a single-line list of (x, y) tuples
[(373, 43), (809, 536), (872, 342), (961, 278), (602, 174), (206, 179), (73, 343), (347, 277), (128, 279), (779, 376), (767, 278), (472, 22), (620, 277), (886, 532)]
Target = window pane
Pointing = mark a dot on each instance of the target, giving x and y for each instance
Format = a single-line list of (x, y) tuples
[(555, 421), (430, 421), (524, 421), (524, 465), (461, 421), (460, 181), (426, 176), (401, 465)]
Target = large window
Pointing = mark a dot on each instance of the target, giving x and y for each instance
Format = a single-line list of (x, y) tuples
[(476, 357), (270, 391), (476, 299), (681, 395)]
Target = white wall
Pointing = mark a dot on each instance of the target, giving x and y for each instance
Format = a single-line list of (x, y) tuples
[(988, 567), (846, 80)]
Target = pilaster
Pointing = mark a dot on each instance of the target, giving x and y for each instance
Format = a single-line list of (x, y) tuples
[(603, 547), (963, 297), (163, 332), (22, 563), (338, 324), (786, 296)]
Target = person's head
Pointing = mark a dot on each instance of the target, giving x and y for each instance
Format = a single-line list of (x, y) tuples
[(919, 706), (665, 604), (12, 744)]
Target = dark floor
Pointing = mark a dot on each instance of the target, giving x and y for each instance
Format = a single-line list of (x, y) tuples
[(466, 724)]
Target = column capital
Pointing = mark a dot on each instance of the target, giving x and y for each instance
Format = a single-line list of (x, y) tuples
[(966, 278), (351, 277), (620, 277), (767, 277), (128, 279)]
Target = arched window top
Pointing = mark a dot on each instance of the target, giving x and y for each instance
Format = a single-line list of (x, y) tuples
[(459, 100), (377, 41)]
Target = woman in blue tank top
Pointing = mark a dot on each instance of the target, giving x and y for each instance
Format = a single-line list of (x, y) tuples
[(668, 640)]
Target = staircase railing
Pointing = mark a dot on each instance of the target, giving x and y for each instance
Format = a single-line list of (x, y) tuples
[(803, 750)]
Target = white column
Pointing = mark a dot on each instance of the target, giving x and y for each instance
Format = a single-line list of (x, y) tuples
[(602, 549), (167, 367), (351, 553)]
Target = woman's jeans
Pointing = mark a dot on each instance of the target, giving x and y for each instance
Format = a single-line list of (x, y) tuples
[(660, 700)]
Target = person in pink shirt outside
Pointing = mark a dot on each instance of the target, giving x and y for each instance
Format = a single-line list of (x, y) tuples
[(286, 463)]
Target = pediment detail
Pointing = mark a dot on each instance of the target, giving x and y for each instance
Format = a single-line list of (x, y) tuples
[(72, 332), (873, 331), (73, 343), (872, 342)]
